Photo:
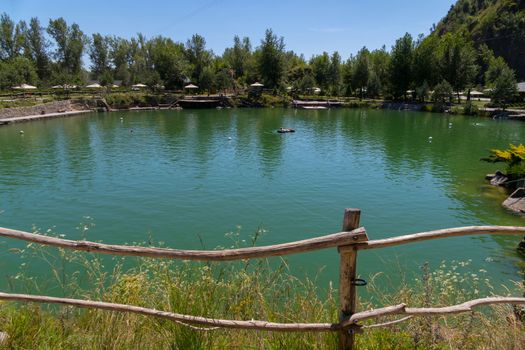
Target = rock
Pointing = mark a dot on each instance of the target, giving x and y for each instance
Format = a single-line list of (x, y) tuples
[(521, 246), (516, 201), (498, 179)]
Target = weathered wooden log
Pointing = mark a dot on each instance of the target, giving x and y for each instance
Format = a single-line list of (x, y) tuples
[(328, 241), (449, 232), (401, 309), (179, 318), (270, 326)]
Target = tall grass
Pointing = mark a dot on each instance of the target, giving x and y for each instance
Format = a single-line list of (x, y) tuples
[(255, 289)]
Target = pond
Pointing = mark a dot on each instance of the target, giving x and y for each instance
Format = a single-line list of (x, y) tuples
[(187, 178)]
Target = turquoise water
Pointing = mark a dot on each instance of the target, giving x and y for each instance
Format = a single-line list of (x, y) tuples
[(187, 178)]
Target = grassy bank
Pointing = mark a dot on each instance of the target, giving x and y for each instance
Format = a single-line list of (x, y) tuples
[(247, 290)]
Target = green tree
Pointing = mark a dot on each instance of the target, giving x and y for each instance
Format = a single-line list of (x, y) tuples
[(458, 62), (379, 61), (12, 37), (168, 59), (16, 71), (502, 80), (70, 43), (99, 55), (361, 71), (270, 63), (321, 69), (239, 57), (120, 57), (347, 75), (426, 64), (335, 73), (442, 92), (401, 65), (207, 79), (37, 46), (139, 67), (198, 57)]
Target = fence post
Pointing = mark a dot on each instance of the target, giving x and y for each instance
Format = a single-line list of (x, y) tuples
[(347, 274)]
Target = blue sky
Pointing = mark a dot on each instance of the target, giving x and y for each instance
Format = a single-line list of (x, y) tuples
[(308, 27)]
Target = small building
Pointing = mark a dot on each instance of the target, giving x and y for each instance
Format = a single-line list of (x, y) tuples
[(521, 89)]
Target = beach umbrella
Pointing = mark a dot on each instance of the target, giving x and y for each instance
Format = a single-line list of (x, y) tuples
[(191, 86), (94, 86), (317, 90), (476, 93), (256, 84), (25, 87)]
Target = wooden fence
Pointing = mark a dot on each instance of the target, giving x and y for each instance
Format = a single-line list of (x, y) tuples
[(348, 242)]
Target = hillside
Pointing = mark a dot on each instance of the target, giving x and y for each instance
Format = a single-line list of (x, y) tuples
[(500, 24)]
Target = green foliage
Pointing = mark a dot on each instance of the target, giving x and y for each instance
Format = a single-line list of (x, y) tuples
[(361, 71), (270, 59), (442, 92), (457, 59), (99, 55), (198, 57), (16, 71), (497, 24), (502, 80), (401, 66), (514, 157)]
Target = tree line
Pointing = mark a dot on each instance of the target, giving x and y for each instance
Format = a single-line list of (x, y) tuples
[(53, 55)]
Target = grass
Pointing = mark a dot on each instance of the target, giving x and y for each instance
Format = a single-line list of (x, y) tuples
[(256, 289)]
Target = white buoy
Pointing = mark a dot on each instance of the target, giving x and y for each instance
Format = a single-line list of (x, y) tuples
[(229, 137), (21, 132)]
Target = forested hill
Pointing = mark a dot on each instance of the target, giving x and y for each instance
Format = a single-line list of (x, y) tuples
[(500, 24)]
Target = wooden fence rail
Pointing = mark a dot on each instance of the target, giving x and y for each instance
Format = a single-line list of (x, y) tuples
[(352, 239)]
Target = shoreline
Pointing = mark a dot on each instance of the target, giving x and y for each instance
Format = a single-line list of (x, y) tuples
[(399, 106), (28, 118)]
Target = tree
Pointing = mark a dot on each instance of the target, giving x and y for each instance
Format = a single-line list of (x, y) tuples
[(12, 37), (224, 79), (99, 55), (198, 56), (207, 79), (334, 77), (321, 69), (139, 67), (348, 68), (37, 46), (16, 71), (70, 42), (361, 71), (457, 59), (270, 62), (239, 56), (401, 64), (426, 66), (120, 57), (167, 58), (442, 92), (502, 79), (379, 61)]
